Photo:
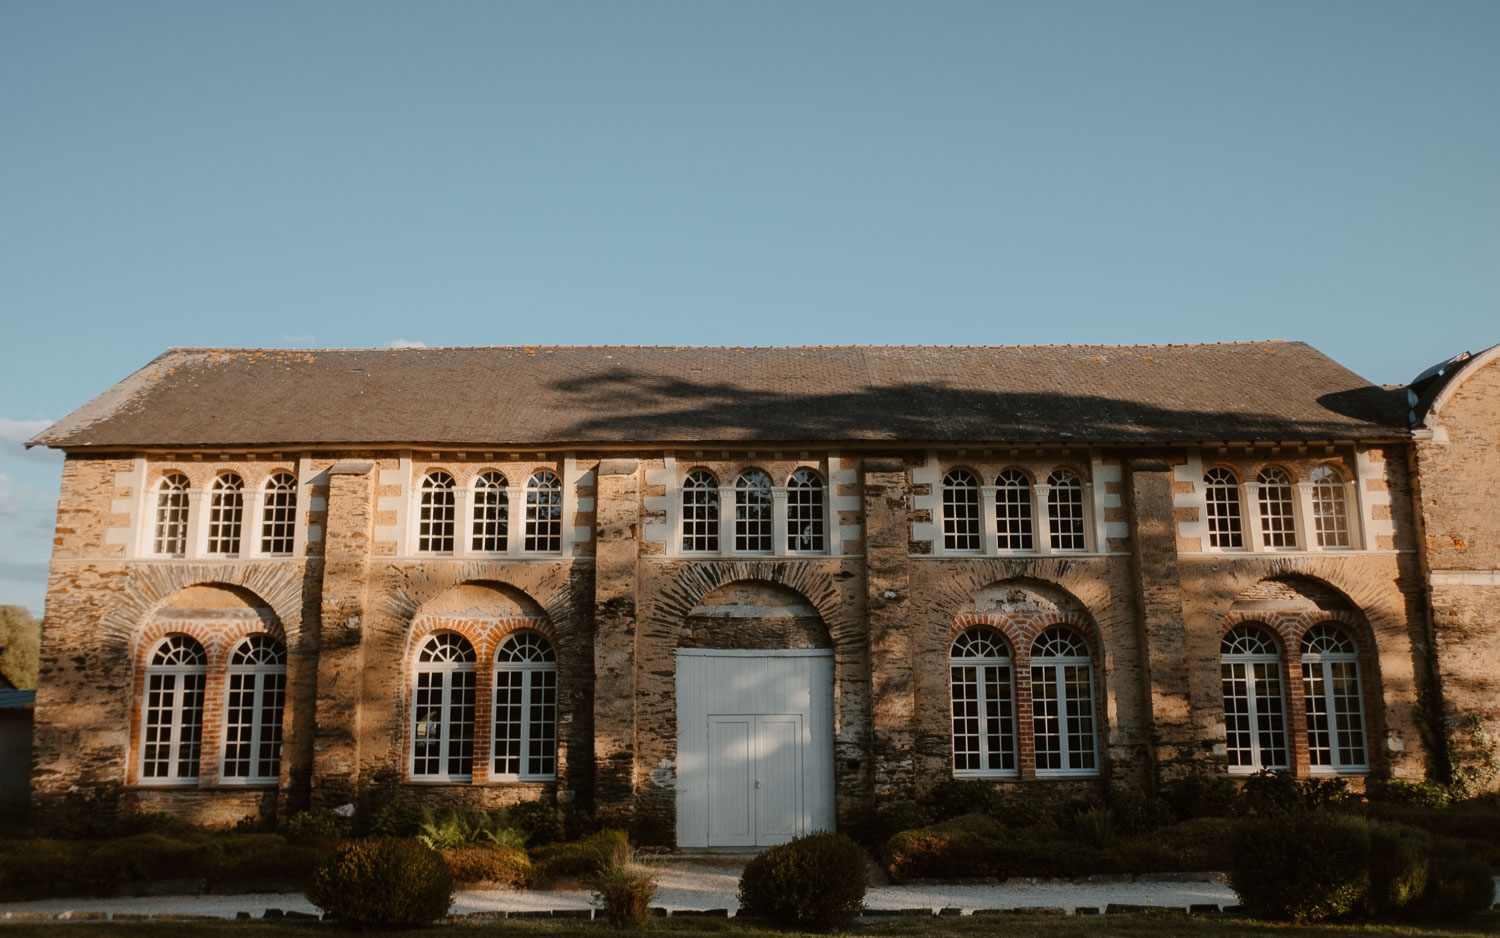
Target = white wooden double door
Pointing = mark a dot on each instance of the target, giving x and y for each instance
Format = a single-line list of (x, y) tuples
[(754, 746)]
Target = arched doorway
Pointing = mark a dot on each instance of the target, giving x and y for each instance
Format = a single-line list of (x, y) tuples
[(754, 719)]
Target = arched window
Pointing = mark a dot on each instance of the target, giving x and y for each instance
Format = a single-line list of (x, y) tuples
[(226, 515), (278, 519), (1013, 508), (491, 513), (172, 718), (1254, 717), (1062, 704), (752, 513), (442, 713), (525, 708), (254, 700), (1333, 699), (1277, 508), (435, 531), (700, 513), (961, 529), (1065, 510), (1221, 489), (984, 704), (171, 516), (544, 513), (1329, 510), (804, 512)]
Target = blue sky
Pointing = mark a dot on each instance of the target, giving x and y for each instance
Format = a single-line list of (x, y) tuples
[(771, 173)]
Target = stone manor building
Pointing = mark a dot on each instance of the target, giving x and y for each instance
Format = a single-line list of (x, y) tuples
[(735, 594)]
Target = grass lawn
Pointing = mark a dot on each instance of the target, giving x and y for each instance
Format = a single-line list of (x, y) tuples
[(1092, 926)]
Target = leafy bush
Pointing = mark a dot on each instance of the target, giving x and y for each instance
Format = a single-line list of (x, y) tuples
[(395, 819), (34, 869), (1203, 796), (1135, 813), (624, 894), (541, 821), (1400, 858), (957, 797), (931, 854), (1457, 885), (1416, 794), (1268, 792), (151, 856), (320, 824), (452, 827), (383, 882), (1303, 866), (102, 825), (583, 858), (488, 863), (267, 856), (816, 881), (890, 820), (1094, 826)]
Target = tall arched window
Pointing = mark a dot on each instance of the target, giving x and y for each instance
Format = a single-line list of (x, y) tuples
[(226, 515), (1065, 510), (526, 708), (804, 512), (435, 523), (984, 704), (961, 528), (491, 513), (752, 513), (1278, 527), (700, 513), (278, 519), (1062, 704), (171, 516), (1334, 700), (442, 713), (172, 718), (254, 700), (1254, 717), (1330, 512), (1221, 489), (1013, 511), (544, 511)]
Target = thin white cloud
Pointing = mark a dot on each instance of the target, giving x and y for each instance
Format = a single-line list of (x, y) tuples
[(406, 343), (19, 431), (298, 339)]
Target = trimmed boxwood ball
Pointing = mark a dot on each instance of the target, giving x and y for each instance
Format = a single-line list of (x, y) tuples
[(1303, 866), (384, 882), (814, 882)]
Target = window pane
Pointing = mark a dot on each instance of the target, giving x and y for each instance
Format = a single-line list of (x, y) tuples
[(752, 513), (700, 513), (491, 514), (804, 512), (279, 516), (1222, 491), (544, 513), (961, 529)]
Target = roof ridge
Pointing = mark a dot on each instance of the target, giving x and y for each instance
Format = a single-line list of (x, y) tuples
[(719, 348)]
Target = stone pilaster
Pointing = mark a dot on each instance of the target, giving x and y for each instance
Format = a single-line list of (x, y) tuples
[(344, 621), (887, 551), (618, 521)]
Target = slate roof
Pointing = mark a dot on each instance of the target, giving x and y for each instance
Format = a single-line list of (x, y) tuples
[(622, 395)]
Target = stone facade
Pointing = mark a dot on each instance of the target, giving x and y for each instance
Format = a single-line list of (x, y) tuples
[(887, 592)]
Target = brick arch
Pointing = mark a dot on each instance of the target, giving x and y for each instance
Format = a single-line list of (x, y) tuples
[(483, 630), (277, 587), (955, 593), (548, 588), (810, 580)]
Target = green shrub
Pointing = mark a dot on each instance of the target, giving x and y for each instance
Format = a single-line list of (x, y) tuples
[(1094, 826), (488, 863), (101, 825), (541, 821), (395, 819), (816, 882), (932, 854), (36, 869), (1203, 796), (1302, 866), (267, 856), (889, 820), (383, 882), (151, 856), (320, 824), (1135, 813), (583, 858), (956, 797), (1416, 794), (1457, 885), (452, 827), (624, 894), (1400, 858)]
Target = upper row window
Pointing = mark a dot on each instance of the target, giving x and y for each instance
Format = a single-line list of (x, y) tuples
[(489, 524), (754, 529), (1017, 504), (1274, 496), (226, 516)]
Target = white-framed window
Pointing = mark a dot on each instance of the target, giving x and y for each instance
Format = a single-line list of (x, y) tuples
[(525, 737), (1062, 704), (226, 515), (1221, 489), (1065, 510), (1014, 505), (172, 712), (700, 513), (1254, 712), (1333, 699), (1329, 510), (436, 519), (278, 517), (254, 702), (752, 513), (491, 513), (171, 534), (805, 518), (544, 511), (1277, 504), (961, 528), (442, 713), (982, 686)]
